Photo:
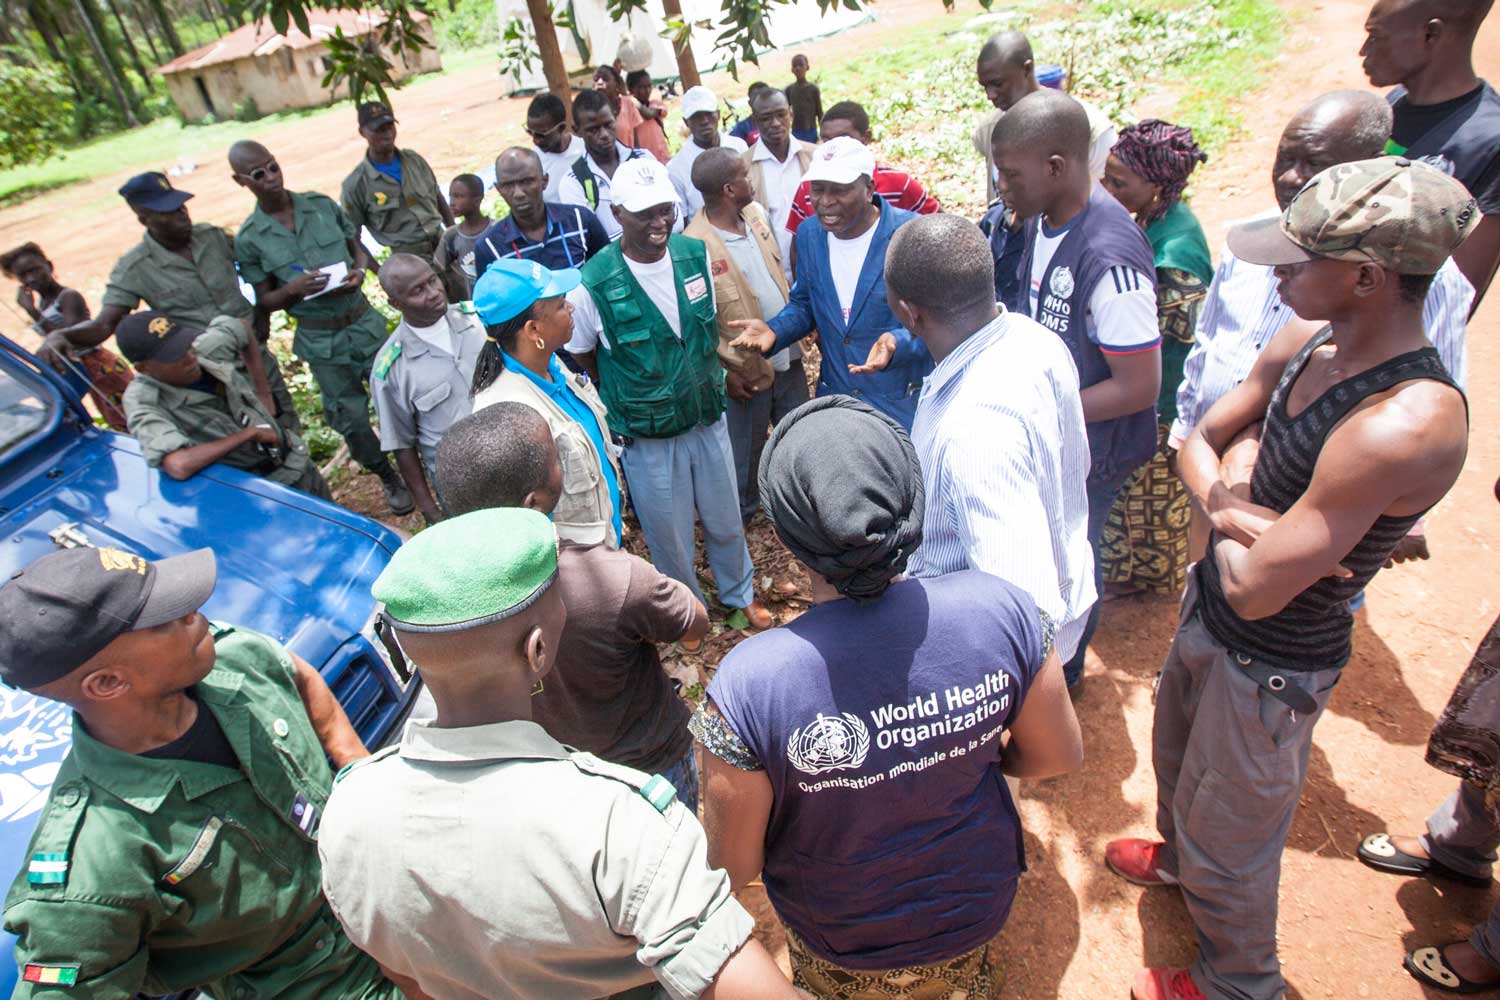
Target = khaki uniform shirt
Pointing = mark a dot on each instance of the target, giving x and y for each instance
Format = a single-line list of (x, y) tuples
[(334, 326), (403, 216), (492, 862), (189, 292), (419, 390), (155, 876), (165, 418)]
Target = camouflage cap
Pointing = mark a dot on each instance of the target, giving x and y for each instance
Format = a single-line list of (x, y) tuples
[(1405, 216)]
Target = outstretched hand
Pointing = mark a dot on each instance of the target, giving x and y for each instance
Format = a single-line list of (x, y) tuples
[(880, 356), (756, 336)]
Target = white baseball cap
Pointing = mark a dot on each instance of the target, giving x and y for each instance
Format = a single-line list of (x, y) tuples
[(840, 161), (697, 99), (640, 184)]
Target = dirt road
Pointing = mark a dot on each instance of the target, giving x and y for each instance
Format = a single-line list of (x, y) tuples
[(1076, 931)]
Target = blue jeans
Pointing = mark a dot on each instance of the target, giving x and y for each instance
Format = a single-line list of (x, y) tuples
[(750, 423), (684, 777), (673, 479), (1102, 495)]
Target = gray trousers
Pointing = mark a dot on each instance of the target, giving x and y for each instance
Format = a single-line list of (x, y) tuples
[(750, 423), (1463, 835), (1230, 759)]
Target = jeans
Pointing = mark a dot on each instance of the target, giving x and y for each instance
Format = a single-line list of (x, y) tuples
[(1102, 495), (1462, 834), (750, 422), (673, 479)]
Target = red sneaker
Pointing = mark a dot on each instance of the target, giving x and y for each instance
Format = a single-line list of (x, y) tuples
[(1136, 860), (1165, 984)]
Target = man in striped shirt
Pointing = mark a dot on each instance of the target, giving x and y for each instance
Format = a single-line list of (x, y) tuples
[(999, 428), (553, 235), (1243, 310), (894, 187)]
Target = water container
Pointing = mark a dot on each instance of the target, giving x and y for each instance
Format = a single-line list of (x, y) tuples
[(1049, 75)]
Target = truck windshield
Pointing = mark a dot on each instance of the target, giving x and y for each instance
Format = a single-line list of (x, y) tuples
[(22, 410)]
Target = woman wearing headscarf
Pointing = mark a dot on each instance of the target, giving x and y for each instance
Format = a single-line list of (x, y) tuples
[(1145, 542), (856, 756)]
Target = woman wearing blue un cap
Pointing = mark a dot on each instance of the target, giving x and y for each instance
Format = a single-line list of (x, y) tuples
[(528, 320)]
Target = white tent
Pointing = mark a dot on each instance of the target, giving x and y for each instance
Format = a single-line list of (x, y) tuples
[(790, 23)]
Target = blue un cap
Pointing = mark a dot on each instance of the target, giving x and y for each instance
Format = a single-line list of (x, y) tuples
[(507, 288), (153, 192)]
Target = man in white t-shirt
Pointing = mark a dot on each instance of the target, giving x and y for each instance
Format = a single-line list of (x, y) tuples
[(558, 147), (646, 328), (1007, 72), (1088, 275), (700, 109), (777, 162), (589, 180)]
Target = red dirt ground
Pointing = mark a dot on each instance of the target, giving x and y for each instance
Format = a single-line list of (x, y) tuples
[(1077, 932)]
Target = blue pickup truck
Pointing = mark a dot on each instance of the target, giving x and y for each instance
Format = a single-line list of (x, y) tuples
[(291, 566)]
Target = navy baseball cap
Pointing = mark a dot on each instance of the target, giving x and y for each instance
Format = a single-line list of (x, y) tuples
[(153, 336), (61, 610), (153, 192), (507, 288)]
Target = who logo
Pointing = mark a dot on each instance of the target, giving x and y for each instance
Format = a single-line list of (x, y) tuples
[(829, 743)]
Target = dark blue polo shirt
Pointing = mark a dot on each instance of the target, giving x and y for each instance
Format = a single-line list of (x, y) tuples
[(573, 236)]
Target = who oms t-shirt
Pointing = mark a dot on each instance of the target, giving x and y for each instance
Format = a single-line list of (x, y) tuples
[(1121, 315), (846, 258)]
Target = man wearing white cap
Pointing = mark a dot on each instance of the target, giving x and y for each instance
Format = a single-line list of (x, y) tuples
[(645, 327), (700, 109), (840, 289)]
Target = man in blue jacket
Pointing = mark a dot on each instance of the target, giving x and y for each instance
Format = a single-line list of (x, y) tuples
[(840, 289)]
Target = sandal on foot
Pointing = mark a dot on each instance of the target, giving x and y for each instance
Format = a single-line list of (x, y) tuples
[(1428, 967), (1380, 853)]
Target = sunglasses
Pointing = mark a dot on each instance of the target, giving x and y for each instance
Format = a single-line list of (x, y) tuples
[(261, 173), (546, 131)]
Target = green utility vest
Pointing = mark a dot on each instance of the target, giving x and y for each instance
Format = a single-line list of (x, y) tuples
[(655, 384)]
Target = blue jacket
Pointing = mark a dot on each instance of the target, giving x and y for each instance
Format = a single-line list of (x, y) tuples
[(814, 304)]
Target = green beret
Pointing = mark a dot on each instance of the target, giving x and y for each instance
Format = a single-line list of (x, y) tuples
[(469, 571)]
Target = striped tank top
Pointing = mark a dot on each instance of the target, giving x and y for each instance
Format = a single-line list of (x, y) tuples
[(1315, 631)]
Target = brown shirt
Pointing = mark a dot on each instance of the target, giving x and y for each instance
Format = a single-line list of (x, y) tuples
[(608, 694)]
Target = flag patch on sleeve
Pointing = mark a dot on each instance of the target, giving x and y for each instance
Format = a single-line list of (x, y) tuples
[(51, 975), (47, 869)]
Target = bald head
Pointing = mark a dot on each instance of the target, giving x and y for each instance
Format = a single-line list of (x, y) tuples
[(517, 158), (1423, 44), (1011, 47), (941, 266), (400, 271), (714, 170), (1337, 127), (1048, 122), (414, 288), (499, 456), (246, 155)]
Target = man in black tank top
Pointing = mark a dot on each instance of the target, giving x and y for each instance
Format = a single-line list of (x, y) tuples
[(1360, 430)]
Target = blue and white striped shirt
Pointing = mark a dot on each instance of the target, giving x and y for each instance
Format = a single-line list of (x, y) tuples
[(1000, 435), (1243, 312)]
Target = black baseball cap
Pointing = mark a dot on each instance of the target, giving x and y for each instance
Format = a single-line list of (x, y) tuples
[(154, 336), (153, 192), (64, 608), (374, 114)]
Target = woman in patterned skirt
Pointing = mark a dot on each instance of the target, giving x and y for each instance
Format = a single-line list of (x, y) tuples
[(1145, 542)]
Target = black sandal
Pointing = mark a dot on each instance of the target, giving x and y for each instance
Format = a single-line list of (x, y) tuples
[(1378, 852), (1428, 967)]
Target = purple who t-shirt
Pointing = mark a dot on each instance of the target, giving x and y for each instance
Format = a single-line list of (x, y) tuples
[(892, 839)]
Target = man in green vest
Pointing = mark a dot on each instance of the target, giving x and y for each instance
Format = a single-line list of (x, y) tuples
[(393, 192), (645, 326), (303, 255), (178, 847)]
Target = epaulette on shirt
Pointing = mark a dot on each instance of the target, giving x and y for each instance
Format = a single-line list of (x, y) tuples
[(652, 787), (467, 308), (387, 358)]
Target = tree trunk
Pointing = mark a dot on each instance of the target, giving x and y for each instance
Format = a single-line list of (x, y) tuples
[(687, 65), (143, 21), (91, 27), (164, 23), (552, 58), (130, 49), (50, 33)]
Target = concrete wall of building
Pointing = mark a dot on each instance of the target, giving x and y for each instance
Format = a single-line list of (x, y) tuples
[(286, 79)]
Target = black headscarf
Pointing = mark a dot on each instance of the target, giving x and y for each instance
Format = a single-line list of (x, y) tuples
[(841, 485)]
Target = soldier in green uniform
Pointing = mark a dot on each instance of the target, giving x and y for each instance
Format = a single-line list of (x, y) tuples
[(192, 404), (186, 270), (393, 192), (287, 249), (178, 848)]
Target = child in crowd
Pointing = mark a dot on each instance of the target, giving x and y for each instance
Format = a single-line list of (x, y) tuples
[(651, 134), (53, 307), (454, 257), (806, 102)]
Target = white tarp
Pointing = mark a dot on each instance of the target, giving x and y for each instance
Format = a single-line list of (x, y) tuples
[(790, 24)]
